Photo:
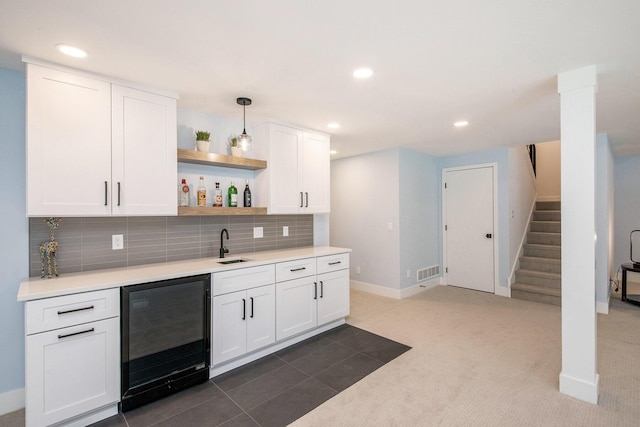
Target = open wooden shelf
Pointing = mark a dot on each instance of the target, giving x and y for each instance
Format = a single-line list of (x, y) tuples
[(215, 159), (209, 210)]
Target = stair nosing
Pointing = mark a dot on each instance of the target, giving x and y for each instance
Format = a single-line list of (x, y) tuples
[(537, 245), (537, 258), (536, 273)]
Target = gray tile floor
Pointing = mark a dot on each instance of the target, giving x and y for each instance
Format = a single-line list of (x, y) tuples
[(274, 390)]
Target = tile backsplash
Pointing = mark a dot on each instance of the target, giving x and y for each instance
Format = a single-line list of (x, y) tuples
[(85, 243)]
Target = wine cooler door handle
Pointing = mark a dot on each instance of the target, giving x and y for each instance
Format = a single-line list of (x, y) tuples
[(301, 199), (244, 309), (105, 193), (251, 308), (306, 195)]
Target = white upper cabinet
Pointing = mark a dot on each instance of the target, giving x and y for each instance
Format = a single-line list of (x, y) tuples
[(297, 179), (95, 148)]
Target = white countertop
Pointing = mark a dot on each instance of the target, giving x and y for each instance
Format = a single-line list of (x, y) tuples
[(37, 288)]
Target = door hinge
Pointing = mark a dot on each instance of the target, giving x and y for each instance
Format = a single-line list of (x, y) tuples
[(445, 185), (445, 227)]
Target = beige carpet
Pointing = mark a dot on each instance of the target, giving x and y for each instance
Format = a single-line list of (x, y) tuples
[(483, 360)]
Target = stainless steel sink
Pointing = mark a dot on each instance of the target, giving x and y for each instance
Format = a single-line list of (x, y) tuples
[(232, 261)]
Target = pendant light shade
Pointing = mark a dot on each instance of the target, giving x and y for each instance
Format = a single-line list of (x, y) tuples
[(244, 140)]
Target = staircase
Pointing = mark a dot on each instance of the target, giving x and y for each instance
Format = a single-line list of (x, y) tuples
[(538, 278)]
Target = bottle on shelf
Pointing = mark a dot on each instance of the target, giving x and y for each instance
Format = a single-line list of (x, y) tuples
[(183, 193), (232, 196), (217, 196), (202, 193), (247, 195)]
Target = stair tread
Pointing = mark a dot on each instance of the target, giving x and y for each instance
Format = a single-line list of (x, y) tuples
[(540, 259), (542, 245), (539, 273), (550, 233), (538, 221), (536, 289), (547, 210)]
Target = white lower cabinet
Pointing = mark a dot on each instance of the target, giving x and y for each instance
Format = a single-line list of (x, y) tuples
[(242, 322), (314, 300), (72, 371)]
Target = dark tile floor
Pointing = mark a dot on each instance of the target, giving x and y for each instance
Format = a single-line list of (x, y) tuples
[(275, 390)]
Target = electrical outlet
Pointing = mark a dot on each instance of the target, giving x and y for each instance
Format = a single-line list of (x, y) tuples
[(257, 232), (358, 269), (389, 226), (117, 242), (285, 230)]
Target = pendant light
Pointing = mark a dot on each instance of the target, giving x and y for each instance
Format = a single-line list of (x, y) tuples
[(244, 140)]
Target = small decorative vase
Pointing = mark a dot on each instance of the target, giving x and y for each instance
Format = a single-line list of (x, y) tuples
[(203, 146), (236, 151)]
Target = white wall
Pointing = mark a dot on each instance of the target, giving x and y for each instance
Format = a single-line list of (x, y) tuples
[(548, 170), (14, 229), (604, 197), (627, 206), (522, 197), (419, 207), (364, 199)]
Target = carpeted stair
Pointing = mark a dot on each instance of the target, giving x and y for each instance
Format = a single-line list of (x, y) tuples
[(538, 278)]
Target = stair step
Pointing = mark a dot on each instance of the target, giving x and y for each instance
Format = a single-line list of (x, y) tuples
[(542, 251), (536, 293), (548, 265), (539, 278), (545, 226), (546, 215), (548, 206), (540, 238)]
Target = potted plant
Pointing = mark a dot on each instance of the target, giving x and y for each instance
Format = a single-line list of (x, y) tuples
[(203, 140), (236, 151)]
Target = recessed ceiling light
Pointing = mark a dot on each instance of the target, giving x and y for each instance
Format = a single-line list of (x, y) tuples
[(76, 52), (334, 125), (362, 73), (461, 123), (333, 152)]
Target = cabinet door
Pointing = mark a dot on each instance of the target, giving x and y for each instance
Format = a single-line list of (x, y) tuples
[(296, 303), (144, 138), (68, 144), (333, 296), (261, 317), (71, 371), (228, 326), (284, 148), (314, 173)]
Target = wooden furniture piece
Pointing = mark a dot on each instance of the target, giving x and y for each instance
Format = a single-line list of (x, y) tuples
[(632, 299)]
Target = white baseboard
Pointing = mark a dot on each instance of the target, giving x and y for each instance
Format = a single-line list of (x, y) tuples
[(11, 401), (396, 293), (580, 389), (503, 291), (602, 307)]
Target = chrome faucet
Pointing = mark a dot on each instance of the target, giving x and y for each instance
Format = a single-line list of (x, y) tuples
[(223, 249)]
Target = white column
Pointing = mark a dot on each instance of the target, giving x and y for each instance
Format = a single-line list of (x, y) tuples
[(577, 91)]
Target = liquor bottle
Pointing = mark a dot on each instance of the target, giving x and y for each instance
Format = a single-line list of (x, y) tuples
[(202, 193), (247, 195), (233, 196), (217, 196), (183, 193)]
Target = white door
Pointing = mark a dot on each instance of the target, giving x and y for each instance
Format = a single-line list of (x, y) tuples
[(285, 143), (333, 296), (469, 233), (261, 317), (68, 144), (144, 153), (229, 326), (297, 308), (314, 173)]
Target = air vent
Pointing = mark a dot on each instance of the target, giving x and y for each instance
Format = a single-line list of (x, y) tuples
[(427, 273)]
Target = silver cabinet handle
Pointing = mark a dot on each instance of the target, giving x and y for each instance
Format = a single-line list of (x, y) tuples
[(315, 290), (105, 193), (334, 263), (306, 195), (321, 289), (118, 193), (298, 269), (301, 199)]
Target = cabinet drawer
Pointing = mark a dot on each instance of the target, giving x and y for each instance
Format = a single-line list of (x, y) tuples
[(59, 312), (332, 263), (295, 269), (242, 279)]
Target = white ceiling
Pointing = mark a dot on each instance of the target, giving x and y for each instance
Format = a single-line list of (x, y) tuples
[(493, 63)]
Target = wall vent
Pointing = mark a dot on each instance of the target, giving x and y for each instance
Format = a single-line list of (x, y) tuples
[(427, 273)]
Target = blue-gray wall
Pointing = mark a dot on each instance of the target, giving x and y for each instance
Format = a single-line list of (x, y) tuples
[(627, 206), (14, 251)]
